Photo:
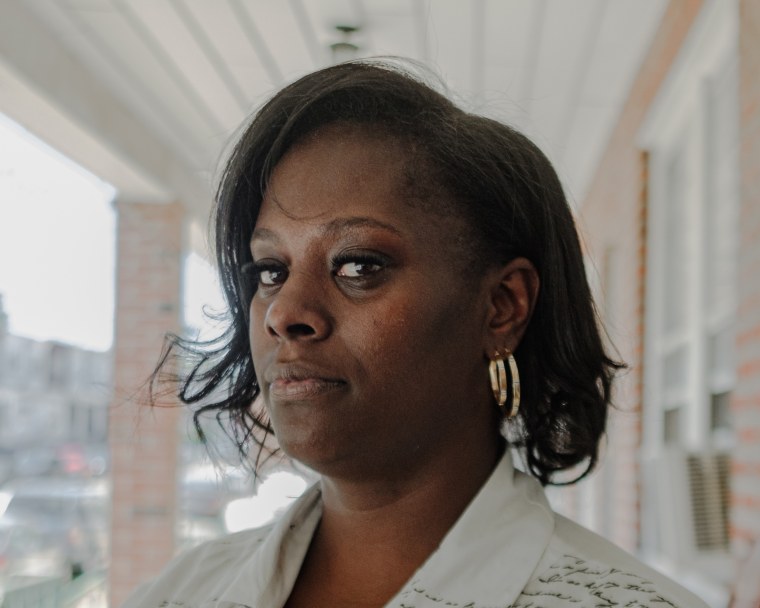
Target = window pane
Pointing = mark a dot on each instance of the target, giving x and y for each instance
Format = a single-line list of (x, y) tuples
[(674, 257), (672, 426), (722, 179), (720, 411), (675, 369), (720, 358)]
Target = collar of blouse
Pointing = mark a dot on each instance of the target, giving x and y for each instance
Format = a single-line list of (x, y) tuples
[(486, 559)]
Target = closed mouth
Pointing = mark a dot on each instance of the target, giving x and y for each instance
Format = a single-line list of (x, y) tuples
[(302, 388)]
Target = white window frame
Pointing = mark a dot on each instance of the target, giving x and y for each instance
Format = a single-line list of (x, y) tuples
[(675, 121)]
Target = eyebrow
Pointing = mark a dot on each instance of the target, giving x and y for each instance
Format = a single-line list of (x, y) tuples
[(341, 224), (264, 234), (334, 227)]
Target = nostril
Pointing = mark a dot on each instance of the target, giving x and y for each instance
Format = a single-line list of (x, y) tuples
[(289, 320), (300, 330)]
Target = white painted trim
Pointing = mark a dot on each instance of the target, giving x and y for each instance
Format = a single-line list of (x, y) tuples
[(53, 95), (711, 40)]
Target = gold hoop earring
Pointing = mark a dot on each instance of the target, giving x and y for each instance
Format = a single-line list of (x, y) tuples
[(515, 377), (499, 385), (498, 375)]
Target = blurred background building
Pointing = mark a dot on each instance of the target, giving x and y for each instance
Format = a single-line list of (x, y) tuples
[(70, 389), (650, 110)]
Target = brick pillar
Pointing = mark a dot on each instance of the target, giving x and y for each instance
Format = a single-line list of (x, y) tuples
[(143, 440), (745, 513)]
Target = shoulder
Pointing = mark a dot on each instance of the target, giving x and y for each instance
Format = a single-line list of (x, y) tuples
[(220, 553), (582, 569), (202, 571)]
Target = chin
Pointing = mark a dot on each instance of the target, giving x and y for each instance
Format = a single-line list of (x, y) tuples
[(308, 448)]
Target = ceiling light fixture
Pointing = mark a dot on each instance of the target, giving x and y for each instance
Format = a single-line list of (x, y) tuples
[(344, 50)]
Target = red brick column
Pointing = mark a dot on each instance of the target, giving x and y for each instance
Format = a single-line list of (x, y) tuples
[(745, 482), (143, 440), (615, 203)]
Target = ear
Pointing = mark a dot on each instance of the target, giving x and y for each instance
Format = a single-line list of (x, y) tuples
[(513, 292)]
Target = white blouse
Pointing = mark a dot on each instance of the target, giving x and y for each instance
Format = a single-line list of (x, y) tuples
[(507, 550)]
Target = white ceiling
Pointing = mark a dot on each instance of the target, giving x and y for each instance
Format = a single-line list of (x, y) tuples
[(190, 71)]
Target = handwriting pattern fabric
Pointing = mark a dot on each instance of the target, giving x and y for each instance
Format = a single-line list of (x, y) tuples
[(574, 581)]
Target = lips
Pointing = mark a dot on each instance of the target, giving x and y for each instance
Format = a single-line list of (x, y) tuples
[(302, 389), (297, 382)]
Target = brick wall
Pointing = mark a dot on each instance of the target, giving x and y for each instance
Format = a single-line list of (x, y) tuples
[(143, 440), (745, 515), (613, 224)]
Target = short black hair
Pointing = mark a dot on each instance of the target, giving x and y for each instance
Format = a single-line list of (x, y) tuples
[(500, 183)]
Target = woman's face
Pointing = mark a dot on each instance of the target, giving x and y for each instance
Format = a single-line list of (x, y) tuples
[(367, 333)]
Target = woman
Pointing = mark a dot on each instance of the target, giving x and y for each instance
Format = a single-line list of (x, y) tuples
[(407, 299)]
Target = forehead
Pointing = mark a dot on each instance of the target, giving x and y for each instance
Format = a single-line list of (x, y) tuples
[(356, 176), (342, 167), (347, 180)]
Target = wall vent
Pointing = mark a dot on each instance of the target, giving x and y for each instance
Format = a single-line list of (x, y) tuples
[(709, 493)]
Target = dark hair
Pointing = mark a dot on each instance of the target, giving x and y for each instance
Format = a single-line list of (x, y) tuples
[(509, 195)]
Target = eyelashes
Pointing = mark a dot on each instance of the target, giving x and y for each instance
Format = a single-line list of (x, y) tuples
[(357, 266), (265, 273)]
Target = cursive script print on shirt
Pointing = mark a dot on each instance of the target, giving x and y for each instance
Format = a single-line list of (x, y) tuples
[(568, 582), (572, 581)]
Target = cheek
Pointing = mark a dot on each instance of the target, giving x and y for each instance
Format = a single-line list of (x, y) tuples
[(398, 338), (256, 330), (386, 334)]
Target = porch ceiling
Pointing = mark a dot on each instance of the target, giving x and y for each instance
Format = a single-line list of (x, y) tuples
[(183, 74)]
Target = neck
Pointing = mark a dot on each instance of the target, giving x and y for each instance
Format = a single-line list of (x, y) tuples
[(375, 533), (407, 516)]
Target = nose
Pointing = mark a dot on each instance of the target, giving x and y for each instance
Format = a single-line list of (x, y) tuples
[(298, 312)]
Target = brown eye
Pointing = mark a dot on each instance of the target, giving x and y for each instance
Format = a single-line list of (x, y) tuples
[(357, 269), (266, 273), (268, 276)]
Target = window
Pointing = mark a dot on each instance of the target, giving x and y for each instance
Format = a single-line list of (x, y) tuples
[(694, 234), (692, 141)]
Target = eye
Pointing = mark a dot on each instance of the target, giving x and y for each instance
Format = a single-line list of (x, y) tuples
[(266, 273), (270, 276), (359, 266), (356, 269)]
